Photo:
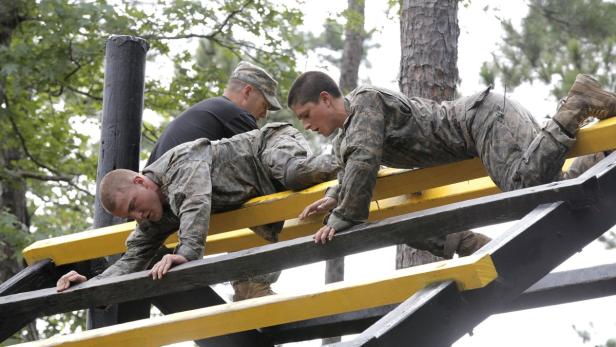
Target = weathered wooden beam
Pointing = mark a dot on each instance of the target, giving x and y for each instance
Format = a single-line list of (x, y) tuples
[(41, 274), (287, 205), (395, 230), (468, 273), (534, 246), (567, 286), (554, 289), (206, 297)]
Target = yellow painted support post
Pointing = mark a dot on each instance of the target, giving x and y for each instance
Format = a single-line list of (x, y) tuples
[(439, 185), (471, 272)]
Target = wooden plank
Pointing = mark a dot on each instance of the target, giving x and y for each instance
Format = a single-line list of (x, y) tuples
[(554, 289), (469, 273), (206, 297), (567, 286), (38, 275), (523, 255), (396, 230), (287, 205)]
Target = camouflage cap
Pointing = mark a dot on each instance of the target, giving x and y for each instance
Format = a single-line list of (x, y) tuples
[(260, 79)]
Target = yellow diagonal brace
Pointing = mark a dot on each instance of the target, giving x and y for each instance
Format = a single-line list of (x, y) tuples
[(435, 183), (469, 273)]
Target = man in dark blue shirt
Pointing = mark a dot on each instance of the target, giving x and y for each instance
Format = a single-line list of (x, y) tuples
[(249, 94)]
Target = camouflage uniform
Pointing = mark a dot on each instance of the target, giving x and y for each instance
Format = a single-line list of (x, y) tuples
[(583, 163), (384, 127), (206, 176)]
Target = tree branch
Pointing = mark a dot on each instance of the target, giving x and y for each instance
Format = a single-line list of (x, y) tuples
[(77, 64), (75, 90), (22, 141), (46, 178), (209, 36), (177, 37), (149, 133), (229, 17), (57, 176)]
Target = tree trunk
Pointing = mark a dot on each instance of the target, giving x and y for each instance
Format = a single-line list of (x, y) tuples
[(351, 58), (12, 189), (429, 45), (12, 201), (353, 52), (428, 68)]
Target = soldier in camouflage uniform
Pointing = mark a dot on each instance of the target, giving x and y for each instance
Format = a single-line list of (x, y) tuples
[(179, 190), (378, 126), (249, 94)]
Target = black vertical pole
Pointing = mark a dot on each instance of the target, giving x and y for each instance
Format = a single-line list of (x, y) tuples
[(122, 109), (120, 132)]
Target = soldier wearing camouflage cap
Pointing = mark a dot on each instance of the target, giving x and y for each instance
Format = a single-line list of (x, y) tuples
[(260, 79)]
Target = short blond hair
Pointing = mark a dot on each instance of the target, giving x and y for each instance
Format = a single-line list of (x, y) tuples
[(114, 183)]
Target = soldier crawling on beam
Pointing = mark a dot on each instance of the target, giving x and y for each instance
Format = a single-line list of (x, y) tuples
[(381, 127), (180, 189)]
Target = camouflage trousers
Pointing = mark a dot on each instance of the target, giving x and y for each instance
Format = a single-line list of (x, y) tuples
[(515, 150)]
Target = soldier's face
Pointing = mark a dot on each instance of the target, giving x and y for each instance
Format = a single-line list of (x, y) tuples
[(317, 116), (142, 202), (256, 104)]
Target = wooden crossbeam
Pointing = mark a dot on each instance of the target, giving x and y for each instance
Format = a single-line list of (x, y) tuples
[(469, 273), (554, 289), (523, 255), (396, 230), (435, 183)]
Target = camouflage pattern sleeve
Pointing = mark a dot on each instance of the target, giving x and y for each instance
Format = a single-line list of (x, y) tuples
[(302, 173), (360, 151), (288, 159), (141, 246), (190, 195), (332, 192)]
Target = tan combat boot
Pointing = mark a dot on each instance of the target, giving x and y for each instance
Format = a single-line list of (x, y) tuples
[(464, 243), (248, 290), (586, 99)]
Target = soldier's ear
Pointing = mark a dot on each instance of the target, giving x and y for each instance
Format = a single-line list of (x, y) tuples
[(138, 179), (246, 90), (325, 97)]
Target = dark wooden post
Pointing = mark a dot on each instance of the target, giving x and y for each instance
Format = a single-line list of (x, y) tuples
[(120, 136), (122, 109)]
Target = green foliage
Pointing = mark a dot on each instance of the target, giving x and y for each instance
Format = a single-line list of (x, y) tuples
[(558, 39), (51, 87), (587, 336), (330, 43), (69, 322), (609, 239), (13, 233)]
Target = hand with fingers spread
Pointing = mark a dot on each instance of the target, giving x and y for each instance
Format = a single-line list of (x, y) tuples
[(71, 277), (325, 204), (326, 233), (167, 262)]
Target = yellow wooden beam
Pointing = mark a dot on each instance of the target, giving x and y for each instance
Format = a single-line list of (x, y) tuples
[(436, 184), (244, 238), (471, 272)]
